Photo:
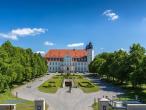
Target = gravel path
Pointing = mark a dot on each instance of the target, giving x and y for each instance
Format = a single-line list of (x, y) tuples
[(63, 100)]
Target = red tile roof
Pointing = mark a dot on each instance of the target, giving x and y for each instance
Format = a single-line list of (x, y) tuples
[(60, 53)]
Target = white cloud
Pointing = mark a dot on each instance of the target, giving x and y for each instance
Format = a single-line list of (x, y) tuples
[(8, 36), (75, 45), (122, 49), (28, 31), (22, 32), (48, 43), (41, 52), (112, 16)]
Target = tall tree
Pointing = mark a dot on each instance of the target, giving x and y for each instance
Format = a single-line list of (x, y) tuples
[(135, 59), (18, 65)]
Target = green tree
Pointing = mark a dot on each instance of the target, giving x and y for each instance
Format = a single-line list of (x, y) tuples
[(135, 59), (18, 65), (119, 67)]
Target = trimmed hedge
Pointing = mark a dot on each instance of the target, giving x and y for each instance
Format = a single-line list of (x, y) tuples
[(86, 84)]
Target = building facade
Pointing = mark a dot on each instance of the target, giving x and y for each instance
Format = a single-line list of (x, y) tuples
[(70, 60)]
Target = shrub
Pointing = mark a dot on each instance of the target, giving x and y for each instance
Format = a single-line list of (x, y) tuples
[(51, 85), (86, 84), (51, 82)]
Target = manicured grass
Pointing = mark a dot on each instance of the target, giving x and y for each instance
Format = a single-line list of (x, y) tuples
[(86, 85), (21, 104), (83, 83), (95, 106), (51, 85), (130, 93), (25, 106)]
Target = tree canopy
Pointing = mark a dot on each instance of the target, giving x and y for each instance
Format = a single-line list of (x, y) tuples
[(122, 66), (18, 65)]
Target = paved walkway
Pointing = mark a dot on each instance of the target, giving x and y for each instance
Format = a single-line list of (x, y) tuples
[(63, 100)]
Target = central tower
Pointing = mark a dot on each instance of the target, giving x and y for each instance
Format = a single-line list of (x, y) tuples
[(90, 52)]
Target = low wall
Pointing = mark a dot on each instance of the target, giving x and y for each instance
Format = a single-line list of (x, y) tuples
[(7, 106), (136, 106)]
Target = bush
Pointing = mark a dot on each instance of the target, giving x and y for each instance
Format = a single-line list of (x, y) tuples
[(51, 82), (51, 85), (45, 86), (86, 84)]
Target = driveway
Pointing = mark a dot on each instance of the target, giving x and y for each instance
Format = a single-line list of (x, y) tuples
[(62, 99)]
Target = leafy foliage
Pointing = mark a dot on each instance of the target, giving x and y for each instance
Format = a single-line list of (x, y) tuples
[(18, 65), (122, 66)]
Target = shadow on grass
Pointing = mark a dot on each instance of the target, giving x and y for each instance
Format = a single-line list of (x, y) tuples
[(128, 92), (104, 85)]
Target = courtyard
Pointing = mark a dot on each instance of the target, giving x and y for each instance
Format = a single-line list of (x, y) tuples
[(61, 99), (65, 80)]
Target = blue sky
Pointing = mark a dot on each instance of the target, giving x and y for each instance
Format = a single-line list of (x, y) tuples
[(48, 24)]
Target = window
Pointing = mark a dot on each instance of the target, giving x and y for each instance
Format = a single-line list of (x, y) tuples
[(79, 59), (78, 69), (74, 59), (82, 59)]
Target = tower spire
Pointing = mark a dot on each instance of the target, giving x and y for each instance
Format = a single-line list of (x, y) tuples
[(89, 46)]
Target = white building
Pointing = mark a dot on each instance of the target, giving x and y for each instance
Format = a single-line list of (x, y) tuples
[(70, 60)]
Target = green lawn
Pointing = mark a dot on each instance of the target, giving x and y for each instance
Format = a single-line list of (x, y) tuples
[(86, 85), (95, 106), (51, 85), (129, 92), (21, 104), (83, 83)]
